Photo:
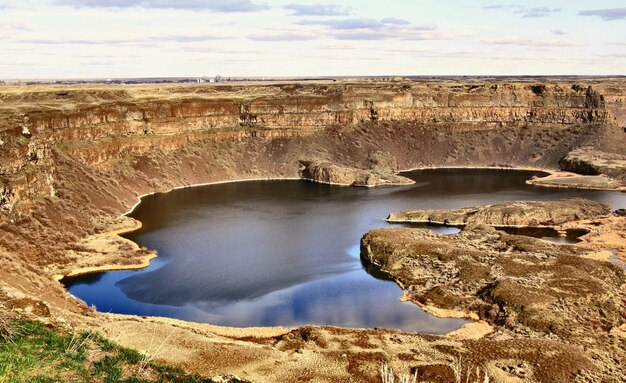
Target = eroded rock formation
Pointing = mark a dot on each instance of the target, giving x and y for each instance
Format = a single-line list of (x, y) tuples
[(525, 286), (382, 171), (518, 213), (590, 161), (429, 123)]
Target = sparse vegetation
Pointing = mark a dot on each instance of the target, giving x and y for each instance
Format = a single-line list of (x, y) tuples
[(387, 375), (7, 330), (472, 375), (42, 353)]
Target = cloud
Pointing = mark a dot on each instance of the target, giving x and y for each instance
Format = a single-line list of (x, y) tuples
[(526, 12), (368, 24), (557, 32), (283, 36), (606, 14), (373, 29), (357, 23), (355, 29), (318, 10), (434, 53), (538, 12), (619, 55), (148, 40), (393, 20), (520, 41), (405, 34), (14, 26), (196, 5)]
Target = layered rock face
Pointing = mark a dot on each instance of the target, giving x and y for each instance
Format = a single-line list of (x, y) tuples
[(97, 125), (86, 151)]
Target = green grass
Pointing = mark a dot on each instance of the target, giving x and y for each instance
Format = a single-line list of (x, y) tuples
[(47, 355)]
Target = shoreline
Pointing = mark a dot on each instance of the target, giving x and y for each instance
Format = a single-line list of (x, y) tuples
[(437, 312), (551, 174), (144, 261), (132, 208), (394, 184)]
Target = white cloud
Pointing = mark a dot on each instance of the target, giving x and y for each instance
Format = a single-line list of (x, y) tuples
[(318, 10), (202, 5), (521, 41), (606, 14), (525, 11)]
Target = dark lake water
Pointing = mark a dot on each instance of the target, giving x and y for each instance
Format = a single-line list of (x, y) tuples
[(264, 253)]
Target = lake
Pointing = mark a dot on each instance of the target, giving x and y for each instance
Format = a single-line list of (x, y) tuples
[(286, 253)]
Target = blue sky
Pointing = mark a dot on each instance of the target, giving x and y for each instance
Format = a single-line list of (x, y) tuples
[(140, 38)]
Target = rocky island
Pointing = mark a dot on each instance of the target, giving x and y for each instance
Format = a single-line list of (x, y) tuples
[(510, 214), (382, 171)]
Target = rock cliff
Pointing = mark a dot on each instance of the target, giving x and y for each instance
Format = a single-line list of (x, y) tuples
[(425, 123)]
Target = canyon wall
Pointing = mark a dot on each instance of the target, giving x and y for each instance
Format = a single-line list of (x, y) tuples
[(89, 149)]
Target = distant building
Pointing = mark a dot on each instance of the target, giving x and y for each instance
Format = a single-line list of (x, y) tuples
[(217, 78)]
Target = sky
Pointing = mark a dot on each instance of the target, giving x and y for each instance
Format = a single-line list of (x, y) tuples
[(45, 39)]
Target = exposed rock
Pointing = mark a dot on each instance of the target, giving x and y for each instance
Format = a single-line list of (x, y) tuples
[(512, 122), (6, 196), (534, 288), (569, 180), (621, 212), (26, 131), (382, 173), (589, 161), (521, 213), (383, 163)]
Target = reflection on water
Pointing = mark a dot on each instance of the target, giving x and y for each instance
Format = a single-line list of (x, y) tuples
[(287, 252)]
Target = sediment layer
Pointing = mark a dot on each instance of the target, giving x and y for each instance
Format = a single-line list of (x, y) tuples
[(99, 125)]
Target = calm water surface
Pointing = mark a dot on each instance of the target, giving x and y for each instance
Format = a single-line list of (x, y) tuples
[(287, 252)]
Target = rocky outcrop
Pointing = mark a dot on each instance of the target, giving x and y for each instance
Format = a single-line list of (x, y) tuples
[(382, 172), (534, 289), (518, 214), (590, 161), (571, 180)]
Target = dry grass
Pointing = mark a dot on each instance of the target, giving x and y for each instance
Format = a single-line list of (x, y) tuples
[(7, 327), (387, 376), (472, 375)]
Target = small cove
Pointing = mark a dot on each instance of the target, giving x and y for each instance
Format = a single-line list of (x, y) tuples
[(265, 253)]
